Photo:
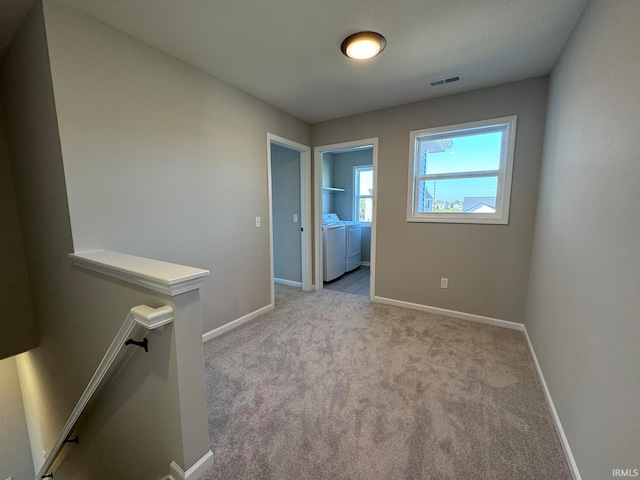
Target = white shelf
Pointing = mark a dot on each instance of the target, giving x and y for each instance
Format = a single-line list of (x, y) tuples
[(332, 189)]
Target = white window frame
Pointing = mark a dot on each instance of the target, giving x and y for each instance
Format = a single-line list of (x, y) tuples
[(504, 172), (356, 192)]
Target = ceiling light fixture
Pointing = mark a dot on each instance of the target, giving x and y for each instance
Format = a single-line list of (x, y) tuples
[(363, 45)]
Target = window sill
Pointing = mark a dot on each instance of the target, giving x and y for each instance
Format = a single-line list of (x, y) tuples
[(458, 218)]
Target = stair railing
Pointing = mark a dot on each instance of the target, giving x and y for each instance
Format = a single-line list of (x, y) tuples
[(142, 315)]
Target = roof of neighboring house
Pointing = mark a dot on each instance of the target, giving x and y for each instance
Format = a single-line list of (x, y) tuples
[(473, 204), (436, 146)]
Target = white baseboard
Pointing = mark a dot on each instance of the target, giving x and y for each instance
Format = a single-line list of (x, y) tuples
[(291, 283), (195, 471), (573, 467), (451, 313), (235, 323), (365, 264)]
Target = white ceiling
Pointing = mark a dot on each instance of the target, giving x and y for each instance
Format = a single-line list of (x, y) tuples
[(287, 52)]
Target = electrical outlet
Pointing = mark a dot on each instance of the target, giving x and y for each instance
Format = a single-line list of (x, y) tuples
[(257, 222), (444, 283), (9, 478), (44, 454), (295, 218)]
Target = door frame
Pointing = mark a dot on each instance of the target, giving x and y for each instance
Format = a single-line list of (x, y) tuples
[(305, 207), (317, 184)]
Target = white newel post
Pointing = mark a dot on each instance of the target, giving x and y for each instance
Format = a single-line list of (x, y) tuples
[(192, 394)]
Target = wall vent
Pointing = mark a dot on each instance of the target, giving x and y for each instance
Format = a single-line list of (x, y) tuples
[(444, 81)]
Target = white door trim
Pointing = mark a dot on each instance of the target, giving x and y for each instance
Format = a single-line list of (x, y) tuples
[(305, 202), (317, 159)]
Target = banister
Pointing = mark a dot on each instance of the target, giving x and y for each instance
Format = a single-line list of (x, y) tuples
[(143, 315)]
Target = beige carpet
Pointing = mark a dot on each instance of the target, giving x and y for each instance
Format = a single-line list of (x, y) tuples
[(331, 386)]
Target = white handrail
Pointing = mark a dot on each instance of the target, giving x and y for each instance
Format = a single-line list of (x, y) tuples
[(147, 317)]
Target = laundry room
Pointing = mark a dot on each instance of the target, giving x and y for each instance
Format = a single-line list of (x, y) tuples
[(347, 207)]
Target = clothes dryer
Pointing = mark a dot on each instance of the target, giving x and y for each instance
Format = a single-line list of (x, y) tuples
[(353, 249)]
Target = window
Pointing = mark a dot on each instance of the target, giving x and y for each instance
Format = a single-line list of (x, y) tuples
[(462, 173), (363, 197)]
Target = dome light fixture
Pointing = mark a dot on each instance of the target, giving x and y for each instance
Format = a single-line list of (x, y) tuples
[(363, 45)]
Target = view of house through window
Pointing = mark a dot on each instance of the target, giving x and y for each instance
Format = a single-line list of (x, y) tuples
[(463, 174), (363, 198)]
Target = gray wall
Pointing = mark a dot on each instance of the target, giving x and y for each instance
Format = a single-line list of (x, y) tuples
[(583, 301), (17, 321), (164, 161), (343, 164), (487, 265), (328, 197), (78, 313), (287, 246), (15, 455), (39, 183)]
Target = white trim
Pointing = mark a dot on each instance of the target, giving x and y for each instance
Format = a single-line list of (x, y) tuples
[(573, 466), (307, 220), (374, 223), (195, 471), (365, 264), (504, 173), (472, 317), (164, 277), (152, 318), (272, 292), (149, 318), (236, 323), (284, 281), (317, 160), (305, 203)]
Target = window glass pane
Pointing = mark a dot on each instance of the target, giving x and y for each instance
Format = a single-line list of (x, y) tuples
[(365, 182), (365, 210), (469, 153), (462, 195)]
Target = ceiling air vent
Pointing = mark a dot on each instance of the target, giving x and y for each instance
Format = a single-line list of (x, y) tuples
[(444, 81)]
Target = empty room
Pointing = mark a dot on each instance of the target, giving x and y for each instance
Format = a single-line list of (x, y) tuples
[(320, 240)]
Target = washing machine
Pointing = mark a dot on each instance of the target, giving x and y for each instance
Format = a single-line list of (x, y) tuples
[(334, 237), (353, 240)]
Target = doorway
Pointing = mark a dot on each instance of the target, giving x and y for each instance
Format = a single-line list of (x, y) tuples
[(289, 177), (345, 183)]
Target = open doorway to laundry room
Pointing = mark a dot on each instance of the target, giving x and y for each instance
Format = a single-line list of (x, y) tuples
[(289, 176), (344, 216)]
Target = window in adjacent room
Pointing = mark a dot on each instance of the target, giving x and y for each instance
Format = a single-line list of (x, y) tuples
[(363, 194), (462, 173)]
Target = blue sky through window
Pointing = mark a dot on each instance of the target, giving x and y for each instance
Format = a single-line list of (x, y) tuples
[(470, 153)]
